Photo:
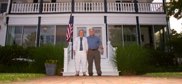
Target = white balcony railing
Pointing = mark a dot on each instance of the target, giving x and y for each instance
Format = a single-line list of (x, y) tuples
[(150, 7), (120, 7), (89, 7), (56, 7), (25, 8), (86, 7)]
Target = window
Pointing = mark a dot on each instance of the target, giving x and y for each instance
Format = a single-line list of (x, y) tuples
[(47, 35), (115, 35), (21, 35), (61, 34)]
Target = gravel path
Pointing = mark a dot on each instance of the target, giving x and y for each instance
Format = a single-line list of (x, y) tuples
[(102, 80)]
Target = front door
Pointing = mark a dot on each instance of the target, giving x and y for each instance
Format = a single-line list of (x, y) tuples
[(99, 31)]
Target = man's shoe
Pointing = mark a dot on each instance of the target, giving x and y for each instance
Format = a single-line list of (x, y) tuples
[(76, 74), (84, 74), (99, 74), (90, 74)]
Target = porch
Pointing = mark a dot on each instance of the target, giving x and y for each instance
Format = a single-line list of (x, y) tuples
[(77, 7)]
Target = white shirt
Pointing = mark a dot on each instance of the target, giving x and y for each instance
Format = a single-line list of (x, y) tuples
[(76, 44)]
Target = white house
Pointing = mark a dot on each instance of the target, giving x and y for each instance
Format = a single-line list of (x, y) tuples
[(35, 22)]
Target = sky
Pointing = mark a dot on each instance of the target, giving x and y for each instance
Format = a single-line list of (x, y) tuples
[(174, 23), (157, 0), (160, 0)]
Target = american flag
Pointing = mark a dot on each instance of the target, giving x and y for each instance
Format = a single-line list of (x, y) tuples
[(69, 29)]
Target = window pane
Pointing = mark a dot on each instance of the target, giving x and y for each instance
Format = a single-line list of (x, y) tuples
[(129, 34), (61, 34), (47, 35), (29, 36), (10, 36), (115, 35), (14, 35), (21, 35)]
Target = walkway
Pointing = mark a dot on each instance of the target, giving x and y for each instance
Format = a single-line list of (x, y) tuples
[(103, 80)]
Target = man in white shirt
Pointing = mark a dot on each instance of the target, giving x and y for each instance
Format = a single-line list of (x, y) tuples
[(80, 48)]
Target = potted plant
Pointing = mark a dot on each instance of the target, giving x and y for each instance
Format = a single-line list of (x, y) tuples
[(50, 66), (49, 55)]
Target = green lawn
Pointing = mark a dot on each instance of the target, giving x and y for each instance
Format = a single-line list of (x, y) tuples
[(9, 77), (165, 74)]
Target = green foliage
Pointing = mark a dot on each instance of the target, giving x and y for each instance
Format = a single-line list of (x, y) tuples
[(34, 58), (132, 59), (48, 52), (175, 44), (9, 77), (172, 6), (160, 58), (8, 53), (165, 74)]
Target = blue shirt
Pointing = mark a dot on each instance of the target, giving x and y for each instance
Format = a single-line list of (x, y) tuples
[(93, 42)]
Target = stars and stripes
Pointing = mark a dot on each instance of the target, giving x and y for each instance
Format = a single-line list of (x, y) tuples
[(69, 29)]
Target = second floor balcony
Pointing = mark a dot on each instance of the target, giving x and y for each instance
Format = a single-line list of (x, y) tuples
[(84, 7)]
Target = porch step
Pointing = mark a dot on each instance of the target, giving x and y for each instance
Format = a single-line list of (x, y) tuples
[(103, 74), (107, 68)]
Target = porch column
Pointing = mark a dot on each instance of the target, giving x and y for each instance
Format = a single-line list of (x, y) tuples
[(138, 30), (9, 6), (151, 36), (167, 21), (105, 21), (136, 5), (164, 6), (72, 6), (40, 6), (105, 5), (38, 32)]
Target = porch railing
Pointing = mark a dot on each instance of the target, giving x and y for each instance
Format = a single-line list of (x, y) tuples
[(111, 51), (89, 7), (67, 56), (85, 7), (150, 7), (120, 7), (56, 7), (25, 8)]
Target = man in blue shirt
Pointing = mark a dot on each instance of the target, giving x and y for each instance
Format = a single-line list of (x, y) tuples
[(93, 53)]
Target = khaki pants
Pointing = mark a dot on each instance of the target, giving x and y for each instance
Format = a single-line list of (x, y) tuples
[(93, 55), (81, 59)]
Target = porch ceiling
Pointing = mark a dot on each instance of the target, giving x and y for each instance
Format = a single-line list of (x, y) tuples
[(30, 1)]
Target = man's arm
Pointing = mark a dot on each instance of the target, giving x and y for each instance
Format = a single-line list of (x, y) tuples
[(101, 49), (86, 44)]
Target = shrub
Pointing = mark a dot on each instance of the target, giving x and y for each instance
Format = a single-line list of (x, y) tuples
[(175, 44), (8, 53), (48, 52), (35, 58), (132, 59), (161, 59)]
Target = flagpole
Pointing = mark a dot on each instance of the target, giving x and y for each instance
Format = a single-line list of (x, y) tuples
[(72, 36)]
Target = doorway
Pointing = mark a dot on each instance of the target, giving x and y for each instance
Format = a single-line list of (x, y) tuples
[(99, 31)]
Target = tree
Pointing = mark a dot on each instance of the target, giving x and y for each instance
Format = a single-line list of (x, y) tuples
[(174, 7), (176, 43)]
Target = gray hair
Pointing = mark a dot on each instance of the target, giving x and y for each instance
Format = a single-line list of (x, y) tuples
[(80, 31)]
